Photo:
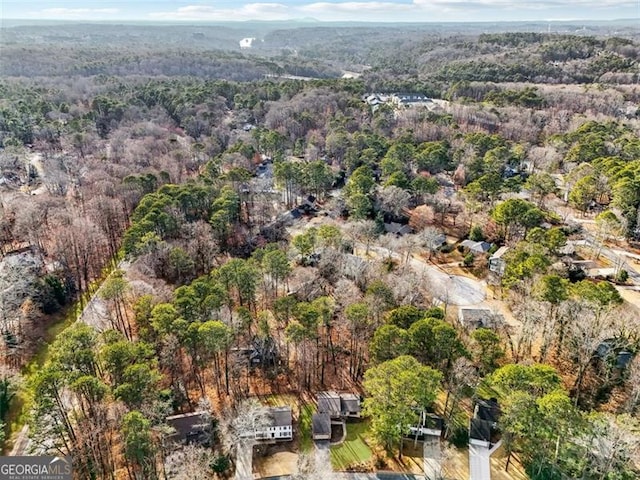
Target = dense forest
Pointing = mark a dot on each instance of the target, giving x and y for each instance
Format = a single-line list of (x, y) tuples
[(179, 204)]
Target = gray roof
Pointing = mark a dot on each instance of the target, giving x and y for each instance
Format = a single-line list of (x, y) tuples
[(281, 416), (500, 252), (329, 402), (349, 402), (476, 247), (480, 430), (480, 317), (189, 426), (397, 228), (321, 424)]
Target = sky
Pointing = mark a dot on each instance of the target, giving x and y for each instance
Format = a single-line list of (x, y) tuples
[(322, 10)]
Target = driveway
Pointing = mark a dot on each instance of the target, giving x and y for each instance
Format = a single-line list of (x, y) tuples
[(432, 456), (479, 462), (244, 461)]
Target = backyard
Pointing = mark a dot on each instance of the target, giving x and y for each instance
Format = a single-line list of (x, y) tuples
[(354, 450)]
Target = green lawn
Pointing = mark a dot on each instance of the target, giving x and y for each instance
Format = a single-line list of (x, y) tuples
[(304, 427), (354, 449)]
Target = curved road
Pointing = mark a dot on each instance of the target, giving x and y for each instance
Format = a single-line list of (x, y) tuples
[(450, 289)]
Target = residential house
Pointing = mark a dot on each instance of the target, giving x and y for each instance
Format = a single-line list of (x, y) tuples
[(397, 228), (611, 351), (329, 403), (280, 426), (194, 427), (476, 247), (339, 405), (497, 263), (321, 426), (473, 318), (482, 433), (350, 405), (427, 424), (410, 99)]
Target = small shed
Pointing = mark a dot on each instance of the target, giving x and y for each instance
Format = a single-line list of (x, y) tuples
[(321, 426)]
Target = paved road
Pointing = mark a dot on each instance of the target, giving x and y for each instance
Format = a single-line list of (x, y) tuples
[(450, 289)]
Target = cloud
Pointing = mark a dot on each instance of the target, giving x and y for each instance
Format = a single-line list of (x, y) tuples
[(250, 11), (77, 12), (388, 10), (356, 7)]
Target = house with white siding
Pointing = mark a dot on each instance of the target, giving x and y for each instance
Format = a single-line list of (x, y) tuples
[(279, 428)]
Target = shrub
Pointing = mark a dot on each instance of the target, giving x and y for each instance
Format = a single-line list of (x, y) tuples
[(459, 436), (468, 260), (220, 464), (622, 276), (446, 248), (476, 234)]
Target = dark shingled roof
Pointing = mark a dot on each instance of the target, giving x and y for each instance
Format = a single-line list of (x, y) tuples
[(329, 402), (480, 430), (349, 403), (487, 410), (189, 427), (281, 416), (321, 424)]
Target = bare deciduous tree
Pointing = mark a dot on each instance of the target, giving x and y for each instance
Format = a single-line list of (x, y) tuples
[(188, 463)]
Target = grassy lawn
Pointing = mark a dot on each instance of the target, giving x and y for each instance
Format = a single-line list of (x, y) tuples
[(304, 410), (354, 449), (304, 427)]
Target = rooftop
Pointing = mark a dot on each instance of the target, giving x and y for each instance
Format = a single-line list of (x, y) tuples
[(480, 317), (476, 247), (321, 424), (500, 252), (281, 416), (349, 402), (329, 402), (189, 426)]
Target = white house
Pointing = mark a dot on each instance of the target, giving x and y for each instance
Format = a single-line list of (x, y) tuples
[(497, 264), (280, 427)]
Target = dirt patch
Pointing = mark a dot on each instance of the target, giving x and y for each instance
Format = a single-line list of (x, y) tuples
[(274, 460)]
